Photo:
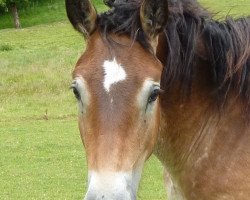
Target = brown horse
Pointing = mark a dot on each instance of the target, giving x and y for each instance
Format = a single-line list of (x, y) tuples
[(165, 77)]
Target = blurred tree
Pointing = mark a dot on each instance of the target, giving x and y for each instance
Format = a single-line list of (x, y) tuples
[(13, 6)]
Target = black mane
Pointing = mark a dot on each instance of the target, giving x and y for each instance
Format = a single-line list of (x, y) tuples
[(123, 18), (227, 43)]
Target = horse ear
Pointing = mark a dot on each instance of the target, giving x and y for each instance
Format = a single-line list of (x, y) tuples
[(154, 15), (82, 15)]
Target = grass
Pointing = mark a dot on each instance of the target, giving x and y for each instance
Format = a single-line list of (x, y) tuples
[(45, 160), (41, 160), (6, 47), (222, 8), (41, 155)]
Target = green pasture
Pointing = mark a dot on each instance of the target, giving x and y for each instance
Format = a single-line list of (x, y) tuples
[(230, 8), (41, 154)]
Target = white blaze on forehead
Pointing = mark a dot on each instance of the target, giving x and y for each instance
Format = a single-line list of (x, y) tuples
[(113, 73)]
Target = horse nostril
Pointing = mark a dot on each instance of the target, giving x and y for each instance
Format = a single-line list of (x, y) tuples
[(103, 197)]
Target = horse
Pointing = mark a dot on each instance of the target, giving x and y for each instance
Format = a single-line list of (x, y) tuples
[(163, 77)]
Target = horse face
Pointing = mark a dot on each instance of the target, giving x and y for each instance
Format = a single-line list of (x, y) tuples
[(117, 89), (118, 114)]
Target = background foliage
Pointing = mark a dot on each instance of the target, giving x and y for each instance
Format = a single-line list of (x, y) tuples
[(21, 4)]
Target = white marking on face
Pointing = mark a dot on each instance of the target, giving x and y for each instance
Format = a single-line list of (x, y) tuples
[(113, 73), (81, 87), (145, 92), (113, 185)]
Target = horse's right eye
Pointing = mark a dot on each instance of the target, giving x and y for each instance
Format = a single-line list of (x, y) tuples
[(76, 93)]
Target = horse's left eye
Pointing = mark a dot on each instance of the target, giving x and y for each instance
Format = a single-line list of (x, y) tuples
[(76, 93), (154, 94)]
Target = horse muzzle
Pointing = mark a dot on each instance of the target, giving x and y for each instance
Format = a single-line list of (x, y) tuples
[(112, 186)]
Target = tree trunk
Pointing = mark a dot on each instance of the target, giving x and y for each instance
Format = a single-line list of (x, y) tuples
[(15, 15)]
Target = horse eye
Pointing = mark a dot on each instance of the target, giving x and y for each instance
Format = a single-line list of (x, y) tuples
[(153, 96), (76, 93)]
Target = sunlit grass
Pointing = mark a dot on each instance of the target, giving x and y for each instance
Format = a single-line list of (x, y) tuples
[(41, 160), (222, 8), (36, 68)]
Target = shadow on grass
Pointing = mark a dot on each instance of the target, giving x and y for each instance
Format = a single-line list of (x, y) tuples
[(6, 47)]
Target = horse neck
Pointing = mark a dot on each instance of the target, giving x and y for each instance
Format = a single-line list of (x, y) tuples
[(183, 119), (194, 128)]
